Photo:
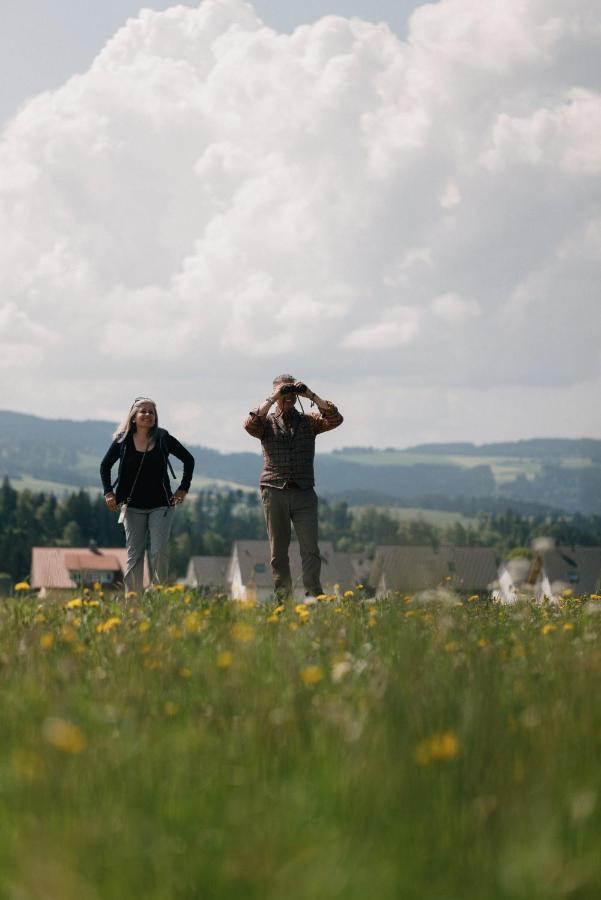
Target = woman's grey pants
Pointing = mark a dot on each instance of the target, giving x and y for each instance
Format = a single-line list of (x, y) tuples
[(139, 523)]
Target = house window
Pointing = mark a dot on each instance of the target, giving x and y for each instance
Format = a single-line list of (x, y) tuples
[(573, 576), (260, 567)]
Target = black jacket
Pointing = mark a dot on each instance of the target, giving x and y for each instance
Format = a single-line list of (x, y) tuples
[(124, 451)]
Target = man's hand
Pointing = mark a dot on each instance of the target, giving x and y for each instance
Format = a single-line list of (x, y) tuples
[(111, 502), (178, 498), (302, 390)]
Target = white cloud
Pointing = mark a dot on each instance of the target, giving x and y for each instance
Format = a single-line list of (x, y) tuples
[(213, 202), (453, 308), (398, 326)]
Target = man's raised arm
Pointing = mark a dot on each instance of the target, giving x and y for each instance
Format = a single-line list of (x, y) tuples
[(255, 420)]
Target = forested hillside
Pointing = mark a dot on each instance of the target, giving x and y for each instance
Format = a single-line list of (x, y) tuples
[(531, 476)]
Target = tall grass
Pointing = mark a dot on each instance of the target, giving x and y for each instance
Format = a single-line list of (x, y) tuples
[(201, 749)]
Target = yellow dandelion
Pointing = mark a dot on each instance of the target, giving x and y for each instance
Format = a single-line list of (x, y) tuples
[(105, 627), (359, 587), (185, 672), (174, 631), (321, 597), (22, 586), (348, 594), (567, 592), (46, 641), (440, 747), (451, 646), (409, 614), (224, 659), (293, 626), (143, 626), (242, 632), (131, 595), (481, 642), (40, 618), (473, 598), (567, 626), (97, 586), (91, 604), (548, 628), (193, 623), (75, 603), (64, 735), (407, 599), (337, 609), (272, 618), (312, 675), (279, 610), (68, 634), (171, 709)]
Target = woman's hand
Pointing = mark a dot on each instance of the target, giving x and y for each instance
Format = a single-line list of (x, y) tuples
[(178, 498), (111, 502)]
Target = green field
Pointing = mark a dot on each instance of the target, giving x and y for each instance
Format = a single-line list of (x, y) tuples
[(28, 483), (184, 748), (439, 517), (503, 468)]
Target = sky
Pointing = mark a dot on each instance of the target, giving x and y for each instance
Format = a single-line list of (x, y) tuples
[(398, 203)]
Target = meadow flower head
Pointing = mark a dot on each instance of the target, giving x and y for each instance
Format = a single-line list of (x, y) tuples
[(22, 586), (64, 735), (312, 675), (105, 627), (47, 641), (224, 659), (75, 603), (440, 747), (243, 632)]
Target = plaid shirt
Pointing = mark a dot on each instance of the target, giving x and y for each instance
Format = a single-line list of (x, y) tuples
[(289, 444)]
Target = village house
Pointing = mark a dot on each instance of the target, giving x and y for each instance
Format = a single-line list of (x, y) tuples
[(73, 568), (208, 573), (551, 571), (416, 568), (249, 573)]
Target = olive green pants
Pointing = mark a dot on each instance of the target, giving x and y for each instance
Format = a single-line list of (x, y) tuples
[(282, 509)]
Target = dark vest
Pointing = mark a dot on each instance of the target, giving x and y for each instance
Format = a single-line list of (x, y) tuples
[(288, 455)]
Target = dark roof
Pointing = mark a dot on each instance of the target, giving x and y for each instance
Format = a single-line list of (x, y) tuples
[(579, 567), (255, 568), (414, 568), (208, 571)]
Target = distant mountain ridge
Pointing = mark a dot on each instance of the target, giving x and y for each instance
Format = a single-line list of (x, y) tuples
[(540, 473)]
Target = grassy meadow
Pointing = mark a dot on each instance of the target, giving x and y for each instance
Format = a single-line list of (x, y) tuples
[(180, 747)]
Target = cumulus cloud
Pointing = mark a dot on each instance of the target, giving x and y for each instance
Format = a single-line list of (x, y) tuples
[(213, 202)]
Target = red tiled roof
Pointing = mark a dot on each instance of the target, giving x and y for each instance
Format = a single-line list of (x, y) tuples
[(92, 562)]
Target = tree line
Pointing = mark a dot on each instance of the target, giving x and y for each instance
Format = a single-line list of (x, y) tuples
[(210, 521)]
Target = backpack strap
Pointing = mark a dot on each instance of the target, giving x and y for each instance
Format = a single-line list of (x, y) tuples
[(163, 435)]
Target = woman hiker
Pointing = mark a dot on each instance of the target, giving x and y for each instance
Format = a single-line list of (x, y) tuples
[(143, 490)]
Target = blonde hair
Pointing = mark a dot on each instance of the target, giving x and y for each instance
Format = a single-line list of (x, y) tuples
[(128, 423)]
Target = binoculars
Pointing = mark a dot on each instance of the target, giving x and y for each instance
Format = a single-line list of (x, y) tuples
[(293, 388)]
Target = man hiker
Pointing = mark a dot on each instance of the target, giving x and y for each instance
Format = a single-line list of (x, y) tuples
[(287, 479)]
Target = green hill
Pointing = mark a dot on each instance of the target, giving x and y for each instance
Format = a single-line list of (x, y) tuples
[(529, 475)]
